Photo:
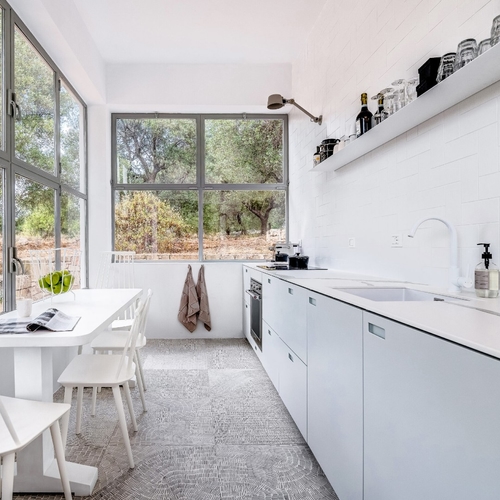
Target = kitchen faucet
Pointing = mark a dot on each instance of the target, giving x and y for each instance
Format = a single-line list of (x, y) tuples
[(456, 281)]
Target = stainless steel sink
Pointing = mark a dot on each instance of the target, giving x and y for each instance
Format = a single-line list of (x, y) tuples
[(399, 295)]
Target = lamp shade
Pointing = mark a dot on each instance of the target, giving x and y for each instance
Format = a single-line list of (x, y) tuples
[(275, 101)]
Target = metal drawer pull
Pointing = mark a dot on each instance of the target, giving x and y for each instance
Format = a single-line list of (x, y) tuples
[(246, 270), (290, 291), (269, 331), (312, 301), (290, 357), (376, 330), (269, 281)]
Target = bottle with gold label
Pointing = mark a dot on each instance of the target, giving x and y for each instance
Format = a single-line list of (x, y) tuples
[(364, 118), (486, 276)]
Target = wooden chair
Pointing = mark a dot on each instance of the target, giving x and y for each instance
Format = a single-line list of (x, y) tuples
[(21, 422), (110, 370), (114, 340)]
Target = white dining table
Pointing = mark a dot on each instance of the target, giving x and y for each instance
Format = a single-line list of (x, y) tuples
[(37, 470)]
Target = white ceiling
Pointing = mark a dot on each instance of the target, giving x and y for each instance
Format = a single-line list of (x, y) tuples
[(199, 31)]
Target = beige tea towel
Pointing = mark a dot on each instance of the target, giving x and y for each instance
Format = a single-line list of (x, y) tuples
[(188, 310), (201, 290)]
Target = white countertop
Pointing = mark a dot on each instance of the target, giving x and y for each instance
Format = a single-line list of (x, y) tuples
[(458, 323)]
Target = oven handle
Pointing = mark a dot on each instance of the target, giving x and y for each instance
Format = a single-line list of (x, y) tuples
[(254, 295)]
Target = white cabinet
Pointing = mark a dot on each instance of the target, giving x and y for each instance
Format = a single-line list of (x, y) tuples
[(335, 392), (246, 319), (284, 310), (271, 353), (293, 385), (431, 417)]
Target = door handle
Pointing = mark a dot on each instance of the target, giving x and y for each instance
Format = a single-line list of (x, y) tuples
[(312, 301), (290, 357), (290, 291), (376, 330), (14, 262)]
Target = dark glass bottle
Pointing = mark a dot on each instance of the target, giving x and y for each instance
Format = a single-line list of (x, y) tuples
[(364, 118)]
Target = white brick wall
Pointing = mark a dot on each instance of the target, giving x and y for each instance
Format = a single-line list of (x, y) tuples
[(449, 166)]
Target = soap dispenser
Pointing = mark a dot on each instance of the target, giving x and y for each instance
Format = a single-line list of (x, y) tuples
[(486, 276)]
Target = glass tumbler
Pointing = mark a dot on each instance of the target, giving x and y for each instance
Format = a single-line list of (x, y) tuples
[(484, 46), (411, 89), (446, 66), (389, 103), (466, 52), (495, 31), (399, 94)]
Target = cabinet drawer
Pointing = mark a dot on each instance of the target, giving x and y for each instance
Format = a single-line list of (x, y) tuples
[(293, 386), (284, 310), (271, 353)]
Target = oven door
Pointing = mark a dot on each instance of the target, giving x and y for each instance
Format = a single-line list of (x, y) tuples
[(256, 317)]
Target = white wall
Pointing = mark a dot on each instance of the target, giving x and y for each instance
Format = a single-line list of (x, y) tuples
[(448, 166)]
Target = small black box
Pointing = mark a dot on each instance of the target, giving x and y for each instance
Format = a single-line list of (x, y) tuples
[(425, 86), (429, 70)]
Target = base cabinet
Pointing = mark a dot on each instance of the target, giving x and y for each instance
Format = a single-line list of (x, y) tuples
[(335, 392), (431, 417), (271, 344)]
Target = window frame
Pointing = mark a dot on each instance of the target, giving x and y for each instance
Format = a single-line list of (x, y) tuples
[(200, 186), (12, 166)]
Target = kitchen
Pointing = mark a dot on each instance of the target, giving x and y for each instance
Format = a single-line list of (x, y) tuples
[(446, 167)]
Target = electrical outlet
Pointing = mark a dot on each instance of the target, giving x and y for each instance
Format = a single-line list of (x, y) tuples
[(351, 242), (397, 240)]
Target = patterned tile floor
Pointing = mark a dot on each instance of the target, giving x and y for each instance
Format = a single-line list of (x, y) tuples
[(215, 429)]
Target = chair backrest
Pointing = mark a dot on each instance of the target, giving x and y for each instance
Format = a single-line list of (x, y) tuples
[(116, 270), (129, 348), (144, 319), (8, 422)]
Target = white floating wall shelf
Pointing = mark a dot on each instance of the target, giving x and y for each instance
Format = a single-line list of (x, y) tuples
[(476, 76)]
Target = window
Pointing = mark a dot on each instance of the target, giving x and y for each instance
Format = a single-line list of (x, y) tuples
[(43, 200), (208, 187)]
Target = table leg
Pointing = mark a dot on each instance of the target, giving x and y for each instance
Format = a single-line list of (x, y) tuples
[(37, 469)]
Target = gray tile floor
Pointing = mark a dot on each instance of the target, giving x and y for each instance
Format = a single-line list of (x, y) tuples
[(215, 429)]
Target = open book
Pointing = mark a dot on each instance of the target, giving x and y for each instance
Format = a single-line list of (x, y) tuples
[(52, 320)]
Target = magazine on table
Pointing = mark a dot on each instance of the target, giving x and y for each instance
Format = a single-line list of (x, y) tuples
[(51, 320)]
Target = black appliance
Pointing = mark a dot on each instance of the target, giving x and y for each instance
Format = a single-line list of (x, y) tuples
[(255, 293)]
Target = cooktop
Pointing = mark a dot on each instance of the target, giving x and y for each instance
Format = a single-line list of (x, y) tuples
[(286, 267)]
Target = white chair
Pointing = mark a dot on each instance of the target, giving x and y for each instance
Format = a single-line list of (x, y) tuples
[(110, 370), (116, 270), (114, 340), (21, 422)]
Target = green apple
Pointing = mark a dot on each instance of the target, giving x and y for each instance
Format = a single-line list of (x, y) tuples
[(67, 280), (57, 288)]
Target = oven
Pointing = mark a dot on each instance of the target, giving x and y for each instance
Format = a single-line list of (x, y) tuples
[(255, 293)]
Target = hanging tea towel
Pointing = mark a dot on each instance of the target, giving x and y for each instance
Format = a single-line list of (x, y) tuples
[(188, 310), (201, 290)]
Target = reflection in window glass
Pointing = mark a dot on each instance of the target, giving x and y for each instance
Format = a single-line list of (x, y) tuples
[(72, 139), (242, 225), (2, 123), (73, 230), (156, 150), (35, 95), (244, 151), (35, 223), (157, 225), (1, 241)]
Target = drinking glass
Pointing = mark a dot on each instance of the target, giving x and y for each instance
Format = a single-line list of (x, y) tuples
[(484, 46), (466, 52), (446, 66), (399, 94), (389, 103), (495, 31), (411, 89)]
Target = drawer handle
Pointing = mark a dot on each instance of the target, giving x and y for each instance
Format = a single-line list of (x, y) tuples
[(290, 291), (376, 330), (246, 305), (312, 301), (269, 281), (290, 357), (269, 331), (246, 270)]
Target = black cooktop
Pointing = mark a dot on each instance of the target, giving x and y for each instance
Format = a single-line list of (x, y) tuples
[(285, 267)]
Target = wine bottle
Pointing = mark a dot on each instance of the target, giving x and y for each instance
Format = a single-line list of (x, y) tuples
[(364, 118)]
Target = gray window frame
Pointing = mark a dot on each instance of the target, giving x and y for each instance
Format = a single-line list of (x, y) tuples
[(12, 166), (200, 186)]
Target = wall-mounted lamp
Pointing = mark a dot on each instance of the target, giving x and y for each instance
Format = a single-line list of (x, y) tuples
[(277, 101)]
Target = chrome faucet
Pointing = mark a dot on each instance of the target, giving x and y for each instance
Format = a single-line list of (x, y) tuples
[(456, 281)]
